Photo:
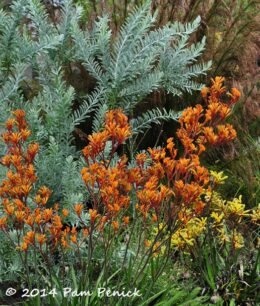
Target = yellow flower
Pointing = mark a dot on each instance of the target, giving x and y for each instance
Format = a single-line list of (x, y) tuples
[(236, 207), (255, 215), (216, 200), (217, 217), (223, 235), (237, 240), (218, 177), (186, 236)]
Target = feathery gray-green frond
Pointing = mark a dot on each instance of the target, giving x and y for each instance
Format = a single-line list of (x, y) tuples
[(153, 116), (88, 106), (99, 117), (140, 59)]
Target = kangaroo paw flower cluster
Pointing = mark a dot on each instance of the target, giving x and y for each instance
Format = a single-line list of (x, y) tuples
[(166, 191), (21, 209)]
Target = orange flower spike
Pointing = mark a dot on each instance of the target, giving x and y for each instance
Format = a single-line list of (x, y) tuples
[(190, 118), (29, 221), (182, 165), (32, 150), (147, 243), (165, 192), (25, 134), (38, 219), (86, 176), (65, 212), (41, 238), (3, 222), (19, 114), (115, 225), (37, 211), (116, 208), (17, 162), (183, 217), (134, 176), (201, 174), (224, 112), (73, 239), (16, 192), (19, 204), (9, 124), (104, 219), (117, 125), (170, 147), (12, 176), (44, 200), (198, 207), (205, 92), (157, 154), (140, 159), (86, 152), (126, 220), (232, 132), (9, 210), (93, 215), (45, 191), (152, 183), (97, 142), (64, 243), (56, 221), (6, 160), (55, 232), (30, 173), (15, 138), (121, 134), (47, 214), (212, 111), (154, 218), (235, 95), (186, 141), (6, 137), (26, 189), (78, 209), (121, 118), (179, 185), (6, 202), (191, 192), (29, 238), (217, 87), (211, 137), (74, 230), (226, 133), (24, 246), (38, 199)]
